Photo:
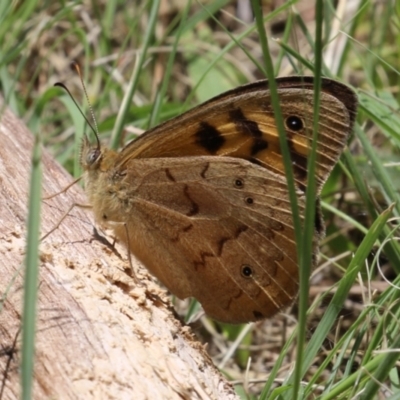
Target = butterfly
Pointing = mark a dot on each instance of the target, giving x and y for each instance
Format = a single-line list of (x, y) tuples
[(202, 199)]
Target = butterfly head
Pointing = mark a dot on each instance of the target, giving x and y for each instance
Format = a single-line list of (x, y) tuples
[(95, 158), (91, 155)]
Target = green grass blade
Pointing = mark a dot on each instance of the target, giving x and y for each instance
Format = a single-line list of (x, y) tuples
[(392, 249), (345, 284), (269, 71), (154, 117), (305, 256), (31, 274), (133, 82), (380, 172)]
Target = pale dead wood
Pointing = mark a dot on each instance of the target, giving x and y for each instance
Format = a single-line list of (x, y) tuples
[(98, 335)]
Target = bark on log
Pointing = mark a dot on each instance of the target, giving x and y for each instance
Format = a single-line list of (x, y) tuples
[(99, 336)]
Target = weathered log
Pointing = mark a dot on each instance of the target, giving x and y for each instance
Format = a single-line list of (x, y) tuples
[(99, 335)]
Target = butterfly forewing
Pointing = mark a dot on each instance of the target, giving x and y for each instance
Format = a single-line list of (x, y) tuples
[(240, 123)]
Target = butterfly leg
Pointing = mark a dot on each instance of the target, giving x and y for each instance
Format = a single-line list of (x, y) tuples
[(64, 190), (133, 275), (71, 207), (100, 237)]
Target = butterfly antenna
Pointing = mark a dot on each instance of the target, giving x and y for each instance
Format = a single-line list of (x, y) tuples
[(95, 129), (75, 66)]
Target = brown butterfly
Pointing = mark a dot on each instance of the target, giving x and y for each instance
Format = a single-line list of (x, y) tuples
[(202, 200)]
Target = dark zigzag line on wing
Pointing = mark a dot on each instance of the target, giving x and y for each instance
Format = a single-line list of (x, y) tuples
[(205, 253), (188, 227), (244, 193), (181, 236), (195, 210), (287, 210), (239, 286), (221, 245)]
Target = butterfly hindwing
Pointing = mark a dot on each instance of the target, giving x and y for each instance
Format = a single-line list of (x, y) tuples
[(221, 222)]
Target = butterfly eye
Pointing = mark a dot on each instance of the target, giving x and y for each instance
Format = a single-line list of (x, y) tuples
[(249, 200), (247, 271), (92, 156), (239, 183), (294, 123)]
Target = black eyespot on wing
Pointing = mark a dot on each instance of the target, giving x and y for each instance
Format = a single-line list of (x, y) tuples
[(246, 271), (249, 200), (239, 183), (294, 123)]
